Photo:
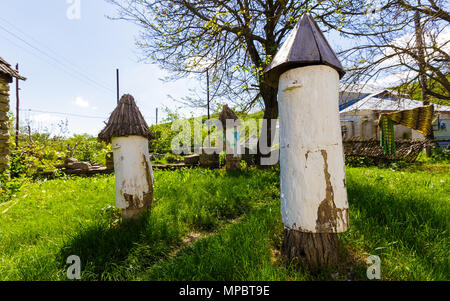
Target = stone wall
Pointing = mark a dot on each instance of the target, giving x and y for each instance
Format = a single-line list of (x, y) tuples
[(4, 123)]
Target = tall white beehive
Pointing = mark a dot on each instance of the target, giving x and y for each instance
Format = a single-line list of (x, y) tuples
[(313, 188)]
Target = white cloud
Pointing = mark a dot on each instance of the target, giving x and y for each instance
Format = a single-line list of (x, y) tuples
[(392, 79), (79, 101), (442, 40), (46, 118)]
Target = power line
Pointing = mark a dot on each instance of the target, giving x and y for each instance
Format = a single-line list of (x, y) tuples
[(65, 114), (71, 70), (44, 60), (82, 79), (47, 48)]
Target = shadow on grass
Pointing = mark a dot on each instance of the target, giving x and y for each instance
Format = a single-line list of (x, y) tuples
[(115, 252), (247, 251), (408, 231)]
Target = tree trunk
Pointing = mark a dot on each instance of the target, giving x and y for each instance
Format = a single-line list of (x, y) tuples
[(422, 70), (269, 96), (315, 249)]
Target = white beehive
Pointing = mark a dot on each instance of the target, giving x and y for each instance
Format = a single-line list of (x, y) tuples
[(129, 135), (313, 189)]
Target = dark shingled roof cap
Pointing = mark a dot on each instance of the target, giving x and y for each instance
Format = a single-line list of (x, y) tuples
[(125, 120), (305, 46), (6, 69)]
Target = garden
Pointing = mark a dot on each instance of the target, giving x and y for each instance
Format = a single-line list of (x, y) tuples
[(212, 225)]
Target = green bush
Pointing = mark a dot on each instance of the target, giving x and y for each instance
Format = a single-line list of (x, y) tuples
[(440, 154), (170, 158)]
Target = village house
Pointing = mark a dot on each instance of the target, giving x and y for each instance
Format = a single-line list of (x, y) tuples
[(360, 109), (6, 77)]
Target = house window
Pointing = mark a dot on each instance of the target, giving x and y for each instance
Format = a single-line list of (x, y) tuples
[(344, 131)]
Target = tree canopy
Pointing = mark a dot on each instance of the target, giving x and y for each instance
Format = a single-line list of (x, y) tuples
[(235, 40)]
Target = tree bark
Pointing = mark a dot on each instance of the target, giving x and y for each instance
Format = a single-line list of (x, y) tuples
[(269, 96), (422, 70), (314, 249)]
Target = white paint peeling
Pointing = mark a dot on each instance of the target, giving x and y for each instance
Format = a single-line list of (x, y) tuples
[(131, 158), (311, 156)]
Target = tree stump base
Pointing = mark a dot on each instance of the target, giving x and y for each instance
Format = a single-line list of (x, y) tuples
[(315, 249), (232, 163), (130, 215)]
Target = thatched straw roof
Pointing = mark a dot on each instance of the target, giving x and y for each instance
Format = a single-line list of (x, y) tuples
[(125, 120), (6, 70), (227, 113)]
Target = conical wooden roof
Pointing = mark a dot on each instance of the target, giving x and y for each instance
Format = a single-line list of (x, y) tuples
[(125, 120), (306, 45), (227, 113)]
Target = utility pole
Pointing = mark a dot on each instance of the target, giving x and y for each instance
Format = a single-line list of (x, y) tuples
[(156, 115), (207, 92), (421, 58), (422, 71), (117, 83), (17, 108), (207, 101)]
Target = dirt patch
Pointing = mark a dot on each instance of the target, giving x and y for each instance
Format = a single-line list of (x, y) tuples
[(189, 239), (193, 237)]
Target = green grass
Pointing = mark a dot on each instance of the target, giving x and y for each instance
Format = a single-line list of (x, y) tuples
[(401, 216)]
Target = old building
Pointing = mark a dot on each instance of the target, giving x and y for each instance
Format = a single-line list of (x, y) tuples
[(6, 77), (360, 112)]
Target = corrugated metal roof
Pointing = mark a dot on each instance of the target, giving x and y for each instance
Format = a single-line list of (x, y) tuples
[(306, 45), (6, 69), (376, 102), (360, 88)]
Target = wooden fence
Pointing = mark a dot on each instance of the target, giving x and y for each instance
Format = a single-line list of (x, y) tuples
[(406, 150)]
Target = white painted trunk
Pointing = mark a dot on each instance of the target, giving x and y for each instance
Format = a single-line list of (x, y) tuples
[(313, 187), (134, 174)]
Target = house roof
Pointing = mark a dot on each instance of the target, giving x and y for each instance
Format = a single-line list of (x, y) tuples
[(383, 102), (359, 88), (6, 69), (125, 120), (306, 45)]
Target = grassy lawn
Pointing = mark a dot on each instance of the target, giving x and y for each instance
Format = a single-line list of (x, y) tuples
[(209, 225)]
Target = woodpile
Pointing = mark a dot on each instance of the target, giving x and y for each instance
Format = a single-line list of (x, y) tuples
[(74, 164), (4, 124), (192, 160), (7, 73), (406, 150)]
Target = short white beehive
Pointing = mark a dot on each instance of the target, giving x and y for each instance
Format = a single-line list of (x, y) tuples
[(129, 135)]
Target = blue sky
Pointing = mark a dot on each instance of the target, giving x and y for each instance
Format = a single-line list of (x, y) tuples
[(93, 46), (70, 65)]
